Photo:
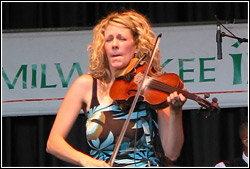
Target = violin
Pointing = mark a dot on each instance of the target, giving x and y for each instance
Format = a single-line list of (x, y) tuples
[(138, 82), (155, 91)]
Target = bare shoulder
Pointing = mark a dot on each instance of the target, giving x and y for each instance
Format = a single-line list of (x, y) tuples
[(81, 91), (82, 85), (86, 80)]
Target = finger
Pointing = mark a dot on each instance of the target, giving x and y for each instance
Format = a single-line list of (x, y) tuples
[(173, 95), (182, 98), (171, 98), (185, 89)]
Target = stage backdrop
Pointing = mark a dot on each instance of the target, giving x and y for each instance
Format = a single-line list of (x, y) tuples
[(39, 67)]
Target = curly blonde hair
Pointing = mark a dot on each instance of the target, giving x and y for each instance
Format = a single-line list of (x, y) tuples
[(143, 35)]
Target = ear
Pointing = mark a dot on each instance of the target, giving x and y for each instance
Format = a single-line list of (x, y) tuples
[(136, 50), (135, 54), (245, 142)]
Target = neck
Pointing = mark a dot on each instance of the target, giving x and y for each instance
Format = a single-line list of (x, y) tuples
[(246, 151)]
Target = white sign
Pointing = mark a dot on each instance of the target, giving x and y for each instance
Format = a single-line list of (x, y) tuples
[(39, 67)]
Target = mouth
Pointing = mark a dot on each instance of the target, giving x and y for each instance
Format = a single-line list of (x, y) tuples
[(116, 55)]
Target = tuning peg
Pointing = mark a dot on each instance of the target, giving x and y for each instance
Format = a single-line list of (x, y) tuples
[(215, 100), (206, 95), (215, 105)]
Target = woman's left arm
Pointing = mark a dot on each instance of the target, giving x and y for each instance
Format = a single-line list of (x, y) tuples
[(170, 126)]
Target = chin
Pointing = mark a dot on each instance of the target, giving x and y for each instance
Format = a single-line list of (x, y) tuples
[(118, 65)]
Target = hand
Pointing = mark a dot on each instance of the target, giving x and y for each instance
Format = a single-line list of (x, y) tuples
[(176, 101), (91, 162)]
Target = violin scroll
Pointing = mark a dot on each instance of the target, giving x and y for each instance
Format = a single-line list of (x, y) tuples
[(210, 107)]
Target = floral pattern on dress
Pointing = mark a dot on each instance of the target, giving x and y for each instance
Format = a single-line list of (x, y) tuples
[(103, 128)]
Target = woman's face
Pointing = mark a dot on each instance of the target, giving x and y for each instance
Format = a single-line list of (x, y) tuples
[(119, 46)]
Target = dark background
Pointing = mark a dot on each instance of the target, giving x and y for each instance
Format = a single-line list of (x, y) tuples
[(207, 140), (56, 15)]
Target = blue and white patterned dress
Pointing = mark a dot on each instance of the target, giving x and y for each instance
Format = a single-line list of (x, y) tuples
[(103, 127)]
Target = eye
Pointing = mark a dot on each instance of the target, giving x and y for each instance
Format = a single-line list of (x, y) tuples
[(120, 37), (110, 38)]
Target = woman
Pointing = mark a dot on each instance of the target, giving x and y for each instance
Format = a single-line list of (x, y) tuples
[(117, 39)]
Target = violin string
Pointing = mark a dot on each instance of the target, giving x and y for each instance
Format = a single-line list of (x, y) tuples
[(158, 85), (169, 89)]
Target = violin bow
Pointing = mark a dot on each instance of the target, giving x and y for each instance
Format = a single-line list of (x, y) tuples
[(125, 126)]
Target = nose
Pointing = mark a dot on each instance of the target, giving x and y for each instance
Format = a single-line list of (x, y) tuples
[(115, 44)]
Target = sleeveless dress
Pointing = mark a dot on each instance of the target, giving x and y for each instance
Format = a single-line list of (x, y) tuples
[(103, 127)]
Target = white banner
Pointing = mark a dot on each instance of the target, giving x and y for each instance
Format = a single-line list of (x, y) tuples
[(39, 67)]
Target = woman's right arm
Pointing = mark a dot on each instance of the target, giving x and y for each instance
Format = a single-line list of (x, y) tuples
[(79, 94)]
